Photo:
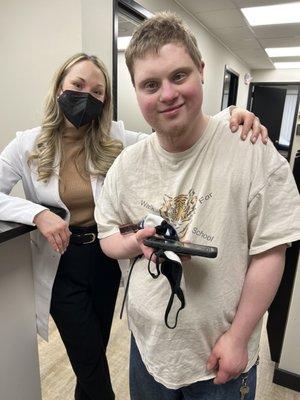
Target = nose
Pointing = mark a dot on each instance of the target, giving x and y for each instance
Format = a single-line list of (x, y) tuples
[(168, 92)]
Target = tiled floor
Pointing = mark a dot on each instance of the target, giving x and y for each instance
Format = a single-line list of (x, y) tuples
[(58, 379)]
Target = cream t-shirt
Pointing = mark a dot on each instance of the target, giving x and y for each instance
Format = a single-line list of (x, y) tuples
[(222, 192)]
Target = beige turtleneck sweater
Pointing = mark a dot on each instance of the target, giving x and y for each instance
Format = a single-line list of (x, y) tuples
[(75, 185)]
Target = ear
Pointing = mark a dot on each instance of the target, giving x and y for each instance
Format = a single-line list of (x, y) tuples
[(201, 71)]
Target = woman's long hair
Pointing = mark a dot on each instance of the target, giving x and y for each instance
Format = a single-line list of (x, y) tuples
[(100, 149)]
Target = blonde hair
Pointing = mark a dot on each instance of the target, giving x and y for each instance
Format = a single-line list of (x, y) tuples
[(149, 37), (100, 149)]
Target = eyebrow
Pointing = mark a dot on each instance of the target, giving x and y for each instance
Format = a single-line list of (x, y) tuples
[(181, 69), (186, 69), (83, 80)]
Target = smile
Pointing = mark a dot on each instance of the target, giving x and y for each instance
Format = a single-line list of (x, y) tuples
[(171, 110)]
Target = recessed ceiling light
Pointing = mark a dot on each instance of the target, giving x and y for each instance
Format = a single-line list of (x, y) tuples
[(123, 42), (283, 51), (276, 14), (287, 65)]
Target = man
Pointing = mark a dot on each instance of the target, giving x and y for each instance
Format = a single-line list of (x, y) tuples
[(215, 190)]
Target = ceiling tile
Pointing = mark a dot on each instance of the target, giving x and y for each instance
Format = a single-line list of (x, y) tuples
[(257, 53), (257, 3), (292, 41), (221, 19), (285, 59), (206, 5), (225, 20), (276, 31), (231, 33), (250, 44)]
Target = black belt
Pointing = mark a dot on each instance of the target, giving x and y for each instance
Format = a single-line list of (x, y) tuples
[(83, 235)]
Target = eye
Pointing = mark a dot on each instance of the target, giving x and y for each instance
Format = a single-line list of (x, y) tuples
[(98, 92), (78, 85), (179, 77), (150, 86)]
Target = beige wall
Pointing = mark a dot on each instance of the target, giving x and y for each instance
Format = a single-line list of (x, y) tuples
[(128, 109), (97, 30), (35, 37), (215, 55)]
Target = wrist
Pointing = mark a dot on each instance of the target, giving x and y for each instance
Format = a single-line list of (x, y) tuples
[(36, 217), (239, 337)]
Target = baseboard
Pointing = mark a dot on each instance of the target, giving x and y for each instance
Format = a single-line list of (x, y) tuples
[(286, 379)]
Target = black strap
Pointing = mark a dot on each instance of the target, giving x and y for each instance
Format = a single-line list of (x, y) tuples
[(157, 253), (127, 284), (173, 272)]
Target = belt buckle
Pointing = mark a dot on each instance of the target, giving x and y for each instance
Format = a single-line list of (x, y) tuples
[(93, 237)]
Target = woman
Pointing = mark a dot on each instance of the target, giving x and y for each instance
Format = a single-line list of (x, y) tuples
[(63, 163)]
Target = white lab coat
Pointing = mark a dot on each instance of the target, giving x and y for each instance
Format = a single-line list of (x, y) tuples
[(14, 167)]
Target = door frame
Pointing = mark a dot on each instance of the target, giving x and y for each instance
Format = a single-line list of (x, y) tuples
[(236, 87), (283, 84)]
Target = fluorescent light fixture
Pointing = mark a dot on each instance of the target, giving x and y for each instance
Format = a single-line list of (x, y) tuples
[(123, 42), (276, 14), (283, 51), (287, 65)]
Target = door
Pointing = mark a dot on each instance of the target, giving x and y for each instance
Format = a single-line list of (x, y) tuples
[(268, 104)]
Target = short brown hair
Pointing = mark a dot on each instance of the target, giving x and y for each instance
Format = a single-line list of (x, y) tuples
[(165, 27)]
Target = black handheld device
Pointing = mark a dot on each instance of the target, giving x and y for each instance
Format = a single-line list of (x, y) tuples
[(178, 247)]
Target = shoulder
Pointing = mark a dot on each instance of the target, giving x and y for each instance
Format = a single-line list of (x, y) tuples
[(260, 156), (131, 157), (23, 142), (137, 150), (28, 137)]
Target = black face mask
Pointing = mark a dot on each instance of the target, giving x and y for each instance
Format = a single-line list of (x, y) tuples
[(79, 108)]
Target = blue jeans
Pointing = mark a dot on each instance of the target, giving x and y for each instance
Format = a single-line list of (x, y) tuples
[(144, 387)]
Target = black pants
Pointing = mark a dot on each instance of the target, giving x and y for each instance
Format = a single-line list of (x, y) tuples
[(82, 306)]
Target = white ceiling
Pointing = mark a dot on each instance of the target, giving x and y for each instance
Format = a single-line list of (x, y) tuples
[(225, 20)]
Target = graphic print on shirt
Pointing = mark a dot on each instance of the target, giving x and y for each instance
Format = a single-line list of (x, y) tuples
[(179, 210)]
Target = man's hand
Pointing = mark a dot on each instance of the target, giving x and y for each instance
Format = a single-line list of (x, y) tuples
[(240, 116), (144, 234), (54, 229), (229, 357)]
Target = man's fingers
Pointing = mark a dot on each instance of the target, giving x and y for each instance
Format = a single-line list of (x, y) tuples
[(256, 130), (264, 134), (247, 126), (212, 362), (144, 233), (222, 377), (234, 124)]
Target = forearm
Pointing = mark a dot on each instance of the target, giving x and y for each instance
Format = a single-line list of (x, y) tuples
[(127, 246), (260, 286), (120, 247), (18, 209)]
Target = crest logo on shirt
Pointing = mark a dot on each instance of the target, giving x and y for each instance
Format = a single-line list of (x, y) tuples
[(179, 210)]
